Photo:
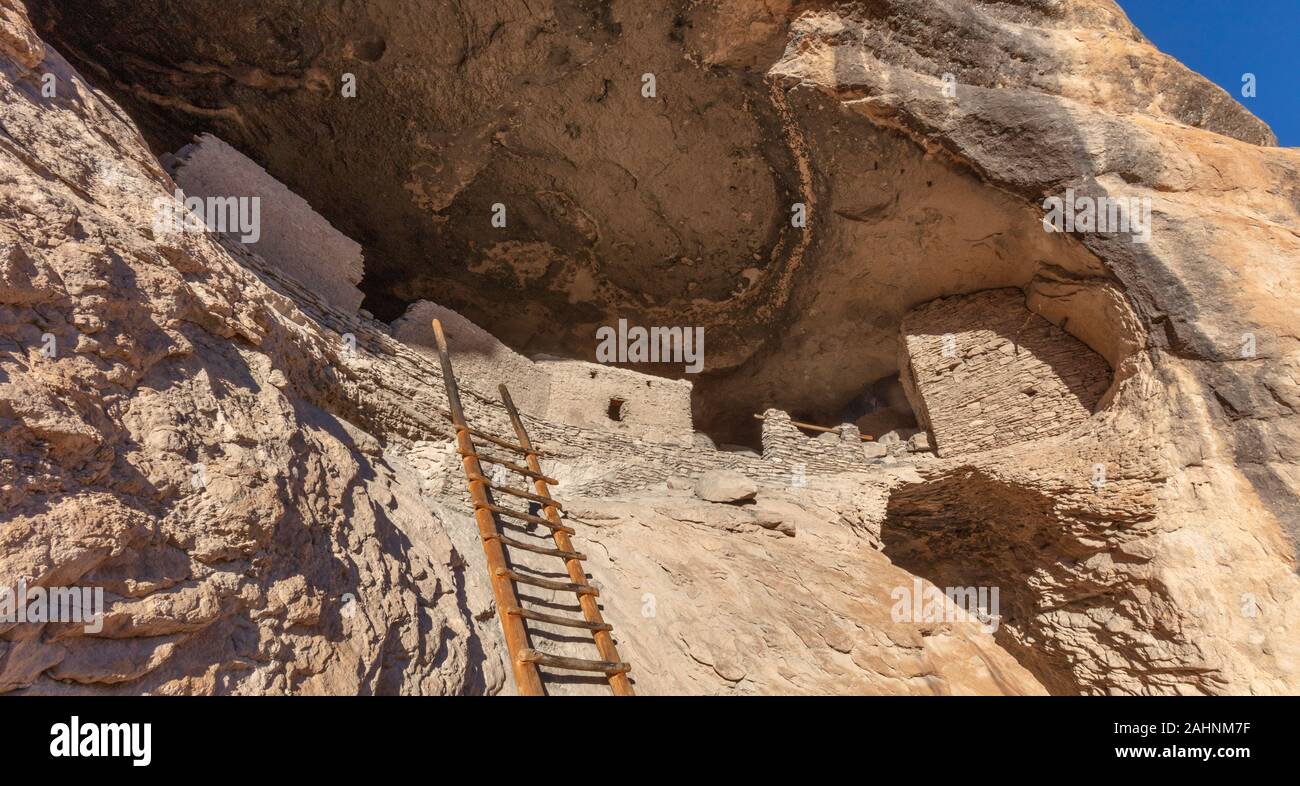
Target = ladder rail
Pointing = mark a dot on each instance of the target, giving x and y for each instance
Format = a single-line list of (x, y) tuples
[(618, 680), (524, 660), (528, 678)]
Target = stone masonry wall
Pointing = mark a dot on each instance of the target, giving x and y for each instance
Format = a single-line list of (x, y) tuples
[(983, 371), (480, 360), (591, 394), (410, 407), (554, 389), (786, 445)]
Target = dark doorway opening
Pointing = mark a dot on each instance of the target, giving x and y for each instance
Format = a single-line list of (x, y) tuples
[(615, 410)]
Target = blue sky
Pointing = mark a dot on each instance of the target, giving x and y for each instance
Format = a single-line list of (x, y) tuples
[(1222, 39)]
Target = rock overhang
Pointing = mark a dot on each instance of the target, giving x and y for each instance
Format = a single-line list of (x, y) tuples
[(1188, 411)]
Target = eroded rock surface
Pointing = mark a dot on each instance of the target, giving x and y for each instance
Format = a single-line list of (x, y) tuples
[(713, 598), (273, 512), (159, 442)]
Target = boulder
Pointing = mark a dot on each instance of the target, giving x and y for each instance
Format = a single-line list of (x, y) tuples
[(725, 485), (773, 520), (874, 450)]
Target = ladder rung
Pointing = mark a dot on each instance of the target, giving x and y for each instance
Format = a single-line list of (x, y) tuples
[(525, 471), (519, 544), (518, 492), (524, 527), (530, 518), (556, 619), (505, 443), (562, 586), (529, 655)]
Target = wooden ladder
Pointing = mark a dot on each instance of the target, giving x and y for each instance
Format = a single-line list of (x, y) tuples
[(524, 659)]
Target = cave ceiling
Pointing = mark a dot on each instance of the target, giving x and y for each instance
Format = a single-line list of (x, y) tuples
[(671, 208)]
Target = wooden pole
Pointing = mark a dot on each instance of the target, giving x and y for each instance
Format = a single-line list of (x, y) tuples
[(823, 429), (619, 683), (528, 680)]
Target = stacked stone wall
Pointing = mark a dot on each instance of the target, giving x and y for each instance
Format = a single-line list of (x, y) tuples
[(983, 371)]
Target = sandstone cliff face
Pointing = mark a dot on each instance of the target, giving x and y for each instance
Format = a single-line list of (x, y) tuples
[(247, 540), (259, 501), (200, 445), (1148, 558), (717, 600)]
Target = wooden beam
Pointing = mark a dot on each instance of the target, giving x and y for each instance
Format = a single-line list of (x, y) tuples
[(823, 429)]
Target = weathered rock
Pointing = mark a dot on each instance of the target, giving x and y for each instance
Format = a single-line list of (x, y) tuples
[(919, 442), (17, 39), (721, 485), (260, 501), (744, 611), (874, 450), (774, 520), (182, 444)]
